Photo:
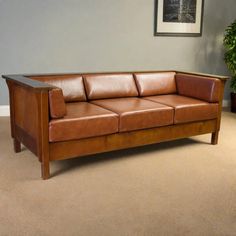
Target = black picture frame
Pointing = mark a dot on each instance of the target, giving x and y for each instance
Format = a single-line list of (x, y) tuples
[(178, 18)]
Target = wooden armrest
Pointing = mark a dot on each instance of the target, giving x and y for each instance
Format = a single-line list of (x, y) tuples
[(205, 75), (27, 82)]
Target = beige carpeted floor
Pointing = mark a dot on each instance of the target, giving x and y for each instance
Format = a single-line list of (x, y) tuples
[(185, 187)]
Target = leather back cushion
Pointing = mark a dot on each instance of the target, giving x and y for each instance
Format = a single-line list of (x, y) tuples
[(99, 86), (56, 103), (71, 85), (201, 87), (155, 83)]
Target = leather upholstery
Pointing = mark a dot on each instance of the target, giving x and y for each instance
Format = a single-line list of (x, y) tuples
[(204, 88), (155, 83), (71, 85), (137, 113), (187, 109), (99, 86), (83, 120), (56, 103), (118, 111)]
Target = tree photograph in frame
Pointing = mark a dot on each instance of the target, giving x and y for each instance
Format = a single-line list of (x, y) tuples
[(178, 17)]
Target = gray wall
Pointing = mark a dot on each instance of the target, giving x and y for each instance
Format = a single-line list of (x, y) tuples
[(47, 36)]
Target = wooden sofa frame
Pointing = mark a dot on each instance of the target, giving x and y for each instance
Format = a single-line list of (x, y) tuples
[(29, 116)]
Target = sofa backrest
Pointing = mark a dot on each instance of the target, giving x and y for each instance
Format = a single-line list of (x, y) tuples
[(155, 83), (110, 85), (208, 89), (71, 85)]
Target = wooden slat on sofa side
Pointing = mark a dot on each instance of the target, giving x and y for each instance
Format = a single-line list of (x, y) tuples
[(29, 114)]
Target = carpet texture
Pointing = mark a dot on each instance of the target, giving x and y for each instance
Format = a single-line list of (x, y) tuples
[(184, 187)]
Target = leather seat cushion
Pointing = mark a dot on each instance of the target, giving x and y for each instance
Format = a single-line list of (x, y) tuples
[(83, 120), (99, 86), (137, 113), (155, 83), (187, 109), (71, 85)]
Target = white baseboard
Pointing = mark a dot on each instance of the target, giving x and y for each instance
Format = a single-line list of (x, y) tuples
[(4, 110)]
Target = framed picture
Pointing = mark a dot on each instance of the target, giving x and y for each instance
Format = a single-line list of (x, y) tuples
[(178, 17)]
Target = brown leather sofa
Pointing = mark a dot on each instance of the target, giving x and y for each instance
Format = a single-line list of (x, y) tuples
[(70, 115)]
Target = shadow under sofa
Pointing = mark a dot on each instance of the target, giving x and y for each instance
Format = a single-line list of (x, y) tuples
[(63, 116)]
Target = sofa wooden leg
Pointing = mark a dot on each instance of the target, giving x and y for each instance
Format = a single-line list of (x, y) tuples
[(45, 168), (214, 138), (17, 145)]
